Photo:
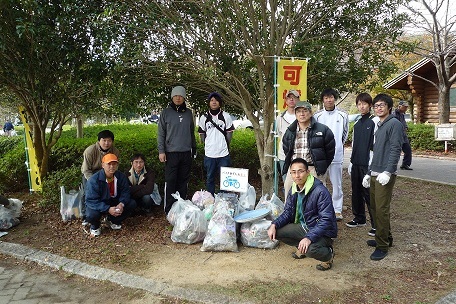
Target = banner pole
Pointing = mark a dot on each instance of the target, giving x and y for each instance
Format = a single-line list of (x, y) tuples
[(276, 186)]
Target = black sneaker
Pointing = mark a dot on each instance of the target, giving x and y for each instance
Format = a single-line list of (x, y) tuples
[(378, 255), (406, 168), (373, 243), (371, 232), (354, 224)]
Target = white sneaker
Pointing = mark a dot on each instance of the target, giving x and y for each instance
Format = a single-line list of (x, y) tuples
[(113, 226), (339, 216), (85, 223), (95, 232)]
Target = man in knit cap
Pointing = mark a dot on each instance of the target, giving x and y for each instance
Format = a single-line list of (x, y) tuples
[(176, 145), (216, 130)]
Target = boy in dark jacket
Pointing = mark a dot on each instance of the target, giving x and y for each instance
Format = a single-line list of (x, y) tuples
[(308, 220), (142, 182)]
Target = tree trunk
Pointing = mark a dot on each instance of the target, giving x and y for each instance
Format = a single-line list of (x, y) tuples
[(265, 153), (444, 104), (79, 126)]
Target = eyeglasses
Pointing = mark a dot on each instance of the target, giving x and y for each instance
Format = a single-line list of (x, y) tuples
[(298, 172), (379, 105)]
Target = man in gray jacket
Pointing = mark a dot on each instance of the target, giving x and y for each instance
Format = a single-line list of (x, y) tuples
[(383, 168), (176, 145)]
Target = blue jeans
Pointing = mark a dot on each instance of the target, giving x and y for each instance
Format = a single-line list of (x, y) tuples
[(212, 166)]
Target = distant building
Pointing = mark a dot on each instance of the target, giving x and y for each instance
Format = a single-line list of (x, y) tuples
[(425, 95)]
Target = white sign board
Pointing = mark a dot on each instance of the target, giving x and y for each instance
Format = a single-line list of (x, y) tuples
[(445, 132), (234, 179)]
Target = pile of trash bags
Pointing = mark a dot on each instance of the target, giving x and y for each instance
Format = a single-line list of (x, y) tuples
[(211, 220), (10, 211)]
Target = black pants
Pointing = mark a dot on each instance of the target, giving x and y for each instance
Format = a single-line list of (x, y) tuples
[(177, 174), (360, 195)]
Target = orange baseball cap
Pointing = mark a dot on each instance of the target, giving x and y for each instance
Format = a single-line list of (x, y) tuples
[(109, 158)]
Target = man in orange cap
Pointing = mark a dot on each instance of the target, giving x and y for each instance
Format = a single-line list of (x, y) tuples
[(108, 193)]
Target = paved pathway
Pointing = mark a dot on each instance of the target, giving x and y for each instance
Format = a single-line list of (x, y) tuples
[(441, 170)]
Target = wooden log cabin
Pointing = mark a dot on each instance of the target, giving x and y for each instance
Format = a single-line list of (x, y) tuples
[(425, 95)]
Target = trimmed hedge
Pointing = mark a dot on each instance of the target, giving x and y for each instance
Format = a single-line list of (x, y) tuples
[(66, 158)]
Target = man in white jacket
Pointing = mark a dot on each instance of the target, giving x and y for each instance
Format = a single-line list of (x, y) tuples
[(337, 120)]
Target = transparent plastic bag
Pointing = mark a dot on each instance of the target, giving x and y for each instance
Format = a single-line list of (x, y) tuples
[(227, 201), (190, 227), (70, 204), (247, 200), (274, 204), (221, 233), (255, 234), (178, 208), (156, 197), (202, 199), (7, 218)]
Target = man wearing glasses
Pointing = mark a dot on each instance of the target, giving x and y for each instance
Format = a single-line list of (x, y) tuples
[(383, 169), (308, 221)]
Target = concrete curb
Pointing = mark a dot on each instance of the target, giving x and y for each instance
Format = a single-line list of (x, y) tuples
[(118, 277)]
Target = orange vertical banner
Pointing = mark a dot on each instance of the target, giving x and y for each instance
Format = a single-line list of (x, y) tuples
[(291, 75)]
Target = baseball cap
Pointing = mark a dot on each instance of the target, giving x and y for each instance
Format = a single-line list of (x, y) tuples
[(403, 103), (303, 104), (294, 92), (109, 158)]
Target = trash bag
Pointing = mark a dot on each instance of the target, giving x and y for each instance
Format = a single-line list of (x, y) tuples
[(156, 197), (247, 200), (9, 215), (178, 208), (274, 204), (202, 199), (255, 234), (190, 227), (221, 233), (71, 204), (228, 201)]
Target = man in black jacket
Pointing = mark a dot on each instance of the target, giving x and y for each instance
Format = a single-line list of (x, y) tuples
[(308, 139)]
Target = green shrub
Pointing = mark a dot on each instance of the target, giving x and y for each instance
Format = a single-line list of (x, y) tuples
[(69, 177), (13, 171), (422, 137)]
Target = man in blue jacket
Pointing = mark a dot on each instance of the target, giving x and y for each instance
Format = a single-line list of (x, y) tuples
[(308, 221), (108, 193)]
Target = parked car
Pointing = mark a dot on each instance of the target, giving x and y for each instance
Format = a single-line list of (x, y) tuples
[(244, 123), (353, 117), (151, 118)]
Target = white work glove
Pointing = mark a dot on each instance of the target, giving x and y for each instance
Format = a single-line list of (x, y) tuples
[(366, 181), (383, 178), (350, 169)]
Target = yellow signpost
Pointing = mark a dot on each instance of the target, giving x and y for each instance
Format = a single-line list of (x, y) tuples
[(31, 161)]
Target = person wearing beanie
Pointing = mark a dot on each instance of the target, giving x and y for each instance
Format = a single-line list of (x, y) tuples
[(92, 160), (176, 145), (215, 128), (337, 120)]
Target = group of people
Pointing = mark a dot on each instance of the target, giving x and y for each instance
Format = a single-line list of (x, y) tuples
[(110, 192), (115, 194), (311, 150)]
